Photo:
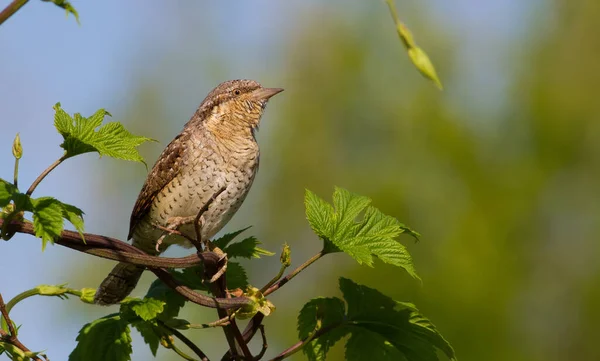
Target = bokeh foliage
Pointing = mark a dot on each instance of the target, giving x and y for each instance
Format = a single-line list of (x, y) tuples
[(506, 198)]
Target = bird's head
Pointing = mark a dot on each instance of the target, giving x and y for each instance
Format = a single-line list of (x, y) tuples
[(235, 105)]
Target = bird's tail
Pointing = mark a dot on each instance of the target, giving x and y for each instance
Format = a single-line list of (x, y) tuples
[(118, 284)]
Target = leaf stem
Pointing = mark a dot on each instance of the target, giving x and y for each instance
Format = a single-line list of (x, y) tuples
[(43, 175), (20, 297), (185, 340), (218, 323), (16, 180), (318, 332), (11, 9), (408, 42), (181, 353)]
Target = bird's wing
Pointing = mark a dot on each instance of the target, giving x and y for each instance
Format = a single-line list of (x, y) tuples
[(166, 168)]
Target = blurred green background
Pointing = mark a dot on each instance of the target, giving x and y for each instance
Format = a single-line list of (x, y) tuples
[(499, 172)]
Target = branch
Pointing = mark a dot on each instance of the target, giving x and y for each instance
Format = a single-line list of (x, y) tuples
[(219, 290), (115, 249), (11, 336), (256, 321), (11, 9)]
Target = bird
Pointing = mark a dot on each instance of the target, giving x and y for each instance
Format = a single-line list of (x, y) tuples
[(216, 150)]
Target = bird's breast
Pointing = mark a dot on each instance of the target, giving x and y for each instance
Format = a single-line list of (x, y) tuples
[(206, 170)]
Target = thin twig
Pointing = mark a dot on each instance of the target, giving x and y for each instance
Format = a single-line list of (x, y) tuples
[(180, 353), (298, 346), (256, 321), (186, 341), (11, 336), (265, 345), (11, 327), (240, 340), (218, 323), (275, 279), (293, 274), (218, 289), (43, 175), (11, 9)]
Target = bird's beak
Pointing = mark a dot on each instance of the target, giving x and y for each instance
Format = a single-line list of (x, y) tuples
[(265, 93)]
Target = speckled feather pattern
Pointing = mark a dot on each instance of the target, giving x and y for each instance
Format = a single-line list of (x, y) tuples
[(216, 149)]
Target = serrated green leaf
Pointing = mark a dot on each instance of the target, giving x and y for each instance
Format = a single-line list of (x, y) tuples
[(236, 276), (7, 190), (223, 241), (147, 309), (173, 301), (342, 228), (320, 215), (47, 219), (75, 216), (84, 135), (330, 311), (107, 338), (247, 248), (369, 346), (380, 328), (46, 214), (149, 333), (400, 324)]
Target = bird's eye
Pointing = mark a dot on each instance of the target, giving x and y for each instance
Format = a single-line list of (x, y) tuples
[(237, 92)]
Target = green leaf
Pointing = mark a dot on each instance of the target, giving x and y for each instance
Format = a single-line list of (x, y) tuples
[(147, 309), (107, 338), (320, 215), (75, 216), (247, 248), (192, 277), (173, 301), (47, 219), (7, 190), (84, 135), (380, 328), (342, 228), (236, 276), (67, 6), (331, 312), (149, 333), (48, 214), (222, 242), (379, 348)]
